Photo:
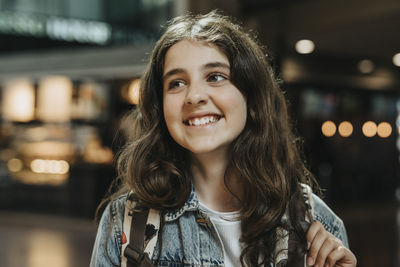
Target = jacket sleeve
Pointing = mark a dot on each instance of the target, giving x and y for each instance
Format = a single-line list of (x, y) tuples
[(331, 222), (107, 246)]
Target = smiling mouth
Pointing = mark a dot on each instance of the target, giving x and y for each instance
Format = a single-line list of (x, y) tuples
[(205, 120)]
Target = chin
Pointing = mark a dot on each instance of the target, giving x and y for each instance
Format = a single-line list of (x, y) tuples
[(205, 149), (197, 150)]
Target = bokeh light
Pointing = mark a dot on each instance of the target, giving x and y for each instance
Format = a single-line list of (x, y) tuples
[(305, 46), (366, 66), (50, 166), (18, 100), (54, 99), (396, 59), (15, 165), (345, 129), (384, 129), (133, 92), (369, 129), (328, 128)]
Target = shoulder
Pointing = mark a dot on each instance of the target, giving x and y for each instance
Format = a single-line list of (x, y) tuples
[(331, 222), (107, 247), (113, 216), (116, 211)]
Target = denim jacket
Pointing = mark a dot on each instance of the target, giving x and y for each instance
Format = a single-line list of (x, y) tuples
[(200, 244)]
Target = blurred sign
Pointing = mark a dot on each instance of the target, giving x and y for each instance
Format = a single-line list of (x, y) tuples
[(66, 29)]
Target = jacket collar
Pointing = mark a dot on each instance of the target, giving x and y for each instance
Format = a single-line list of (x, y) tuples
[(191, 204)]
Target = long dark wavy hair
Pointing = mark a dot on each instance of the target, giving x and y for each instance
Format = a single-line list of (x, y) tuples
[(265, 155)]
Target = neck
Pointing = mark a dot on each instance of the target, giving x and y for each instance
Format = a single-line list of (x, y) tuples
[(208, 176)]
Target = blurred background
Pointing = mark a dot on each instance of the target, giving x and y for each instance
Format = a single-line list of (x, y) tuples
[(69, 71)]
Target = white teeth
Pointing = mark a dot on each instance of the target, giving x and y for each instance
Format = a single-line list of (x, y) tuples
[(202, 121)]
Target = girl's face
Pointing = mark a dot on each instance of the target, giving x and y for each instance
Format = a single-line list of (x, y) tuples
[(204, 112)]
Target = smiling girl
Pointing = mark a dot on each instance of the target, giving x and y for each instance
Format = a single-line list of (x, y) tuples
[(212, 154)]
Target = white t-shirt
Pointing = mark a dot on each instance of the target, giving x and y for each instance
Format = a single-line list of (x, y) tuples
[(227, 225)]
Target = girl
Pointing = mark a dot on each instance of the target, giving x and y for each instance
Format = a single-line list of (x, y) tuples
[(211, 150)]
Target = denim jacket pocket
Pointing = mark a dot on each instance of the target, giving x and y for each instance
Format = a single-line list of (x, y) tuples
[(331, 222)]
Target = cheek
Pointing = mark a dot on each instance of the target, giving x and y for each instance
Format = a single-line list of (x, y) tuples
[(171, 108), (238, 105), (167, 113), (243, 114)]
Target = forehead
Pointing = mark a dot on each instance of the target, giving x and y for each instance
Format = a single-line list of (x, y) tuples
[(189, 53)]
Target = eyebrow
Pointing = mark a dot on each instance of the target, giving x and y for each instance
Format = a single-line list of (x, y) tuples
[(172, 72), (216, 65), (210, 65)]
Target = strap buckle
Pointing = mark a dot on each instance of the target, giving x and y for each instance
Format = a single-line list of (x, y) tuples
[(134, 254)]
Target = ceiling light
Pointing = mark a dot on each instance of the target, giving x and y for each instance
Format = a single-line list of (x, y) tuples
[(328, 128), (345, 129), (369, 129), (305, 46), (396, 59), (384, 129), (366, 66)]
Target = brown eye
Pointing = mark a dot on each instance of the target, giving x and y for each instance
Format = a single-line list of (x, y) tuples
[(216, 77), (176, 84)]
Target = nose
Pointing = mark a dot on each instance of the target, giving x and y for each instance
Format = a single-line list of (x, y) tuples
[(196, 95)]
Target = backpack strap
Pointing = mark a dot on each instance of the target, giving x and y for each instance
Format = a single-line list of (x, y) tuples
[(140, 228)]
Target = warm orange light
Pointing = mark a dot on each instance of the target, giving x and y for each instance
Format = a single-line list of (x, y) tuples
[(345, 129), (95, 153), (50, 166), (48, 149), (304, 46), (133, 92), (18, 101), (369, 129), (328, 128), (14, 165), (54, 99), (384, 129)]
